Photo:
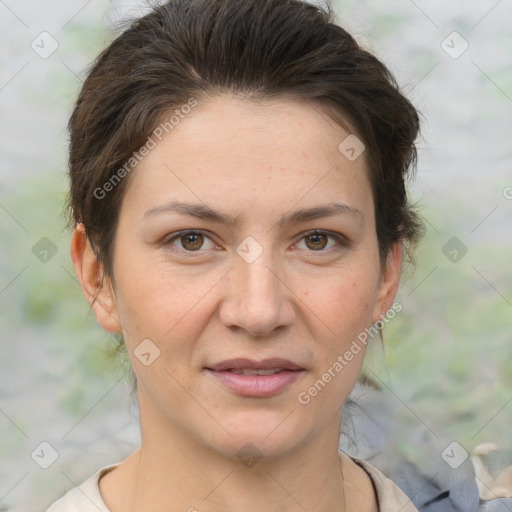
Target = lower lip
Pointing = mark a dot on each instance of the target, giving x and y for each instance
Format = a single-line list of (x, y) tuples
[(257, 385)]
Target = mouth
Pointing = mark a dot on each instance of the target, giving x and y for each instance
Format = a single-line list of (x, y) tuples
[(244, 364), (252, 378), (249, 371)]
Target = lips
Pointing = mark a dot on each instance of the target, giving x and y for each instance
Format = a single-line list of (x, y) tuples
[(252, 371), (251, 378), (244, 364)]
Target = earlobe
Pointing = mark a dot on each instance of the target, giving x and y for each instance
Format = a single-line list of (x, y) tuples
[(95, 287), (390, 280)]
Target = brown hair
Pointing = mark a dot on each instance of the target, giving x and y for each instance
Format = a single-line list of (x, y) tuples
[(185, 50)]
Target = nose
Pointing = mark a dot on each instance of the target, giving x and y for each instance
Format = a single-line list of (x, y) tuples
[(257, 299)]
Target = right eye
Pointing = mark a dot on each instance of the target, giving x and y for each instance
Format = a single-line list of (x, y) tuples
[(190, 241)]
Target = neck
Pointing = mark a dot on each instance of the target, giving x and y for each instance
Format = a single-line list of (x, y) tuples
[(173, 471)]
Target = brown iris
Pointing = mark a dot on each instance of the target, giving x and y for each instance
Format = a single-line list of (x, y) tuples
[(318, 241), (192, 241)]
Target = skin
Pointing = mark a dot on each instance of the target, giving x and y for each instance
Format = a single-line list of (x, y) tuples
[(298, 300)]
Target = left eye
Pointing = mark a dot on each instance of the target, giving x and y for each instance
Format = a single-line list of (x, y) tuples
[(318, 240)]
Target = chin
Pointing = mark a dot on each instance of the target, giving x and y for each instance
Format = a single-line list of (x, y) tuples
[(267, 437)]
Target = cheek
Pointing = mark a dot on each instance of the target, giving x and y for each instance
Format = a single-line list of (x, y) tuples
[(343, 300), (154, 300), (343, 308)]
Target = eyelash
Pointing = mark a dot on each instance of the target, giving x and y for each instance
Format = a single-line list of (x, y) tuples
[(341, 240)]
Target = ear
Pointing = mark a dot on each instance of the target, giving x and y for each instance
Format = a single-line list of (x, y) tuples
[(390, 279), (96, 287)]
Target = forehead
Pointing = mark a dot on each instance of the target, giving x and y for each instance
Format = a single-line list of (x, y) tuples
[(271, 153)]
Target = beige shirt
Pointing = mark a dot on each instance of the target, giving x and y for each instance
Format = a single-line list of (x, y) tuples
[(87, 497)]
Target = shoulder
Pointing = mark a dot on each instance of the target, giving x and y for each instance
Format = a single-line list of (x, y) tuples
[(389, 495), (85, 497)]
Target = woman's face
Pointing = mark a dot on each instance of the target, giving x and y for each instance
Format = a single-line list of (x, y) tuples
[(254, 282)]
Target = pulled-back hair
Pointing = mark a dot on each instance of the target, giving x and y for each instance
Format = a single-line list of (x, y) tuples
[(187, 50)]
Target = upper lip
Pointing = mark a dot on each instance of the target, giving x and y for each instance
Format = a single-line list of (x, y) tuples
[(264, 364)]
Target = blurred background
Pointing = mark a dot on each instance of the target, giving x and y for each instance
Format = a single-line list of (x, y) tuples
[(445, 373)]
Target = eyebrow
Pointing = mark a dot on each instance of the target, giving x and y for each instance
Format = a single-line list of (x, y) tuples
[(203, 212)]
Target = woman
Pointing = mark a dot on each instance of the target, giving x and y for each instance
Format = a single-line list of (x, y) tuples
[(237, 188)]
